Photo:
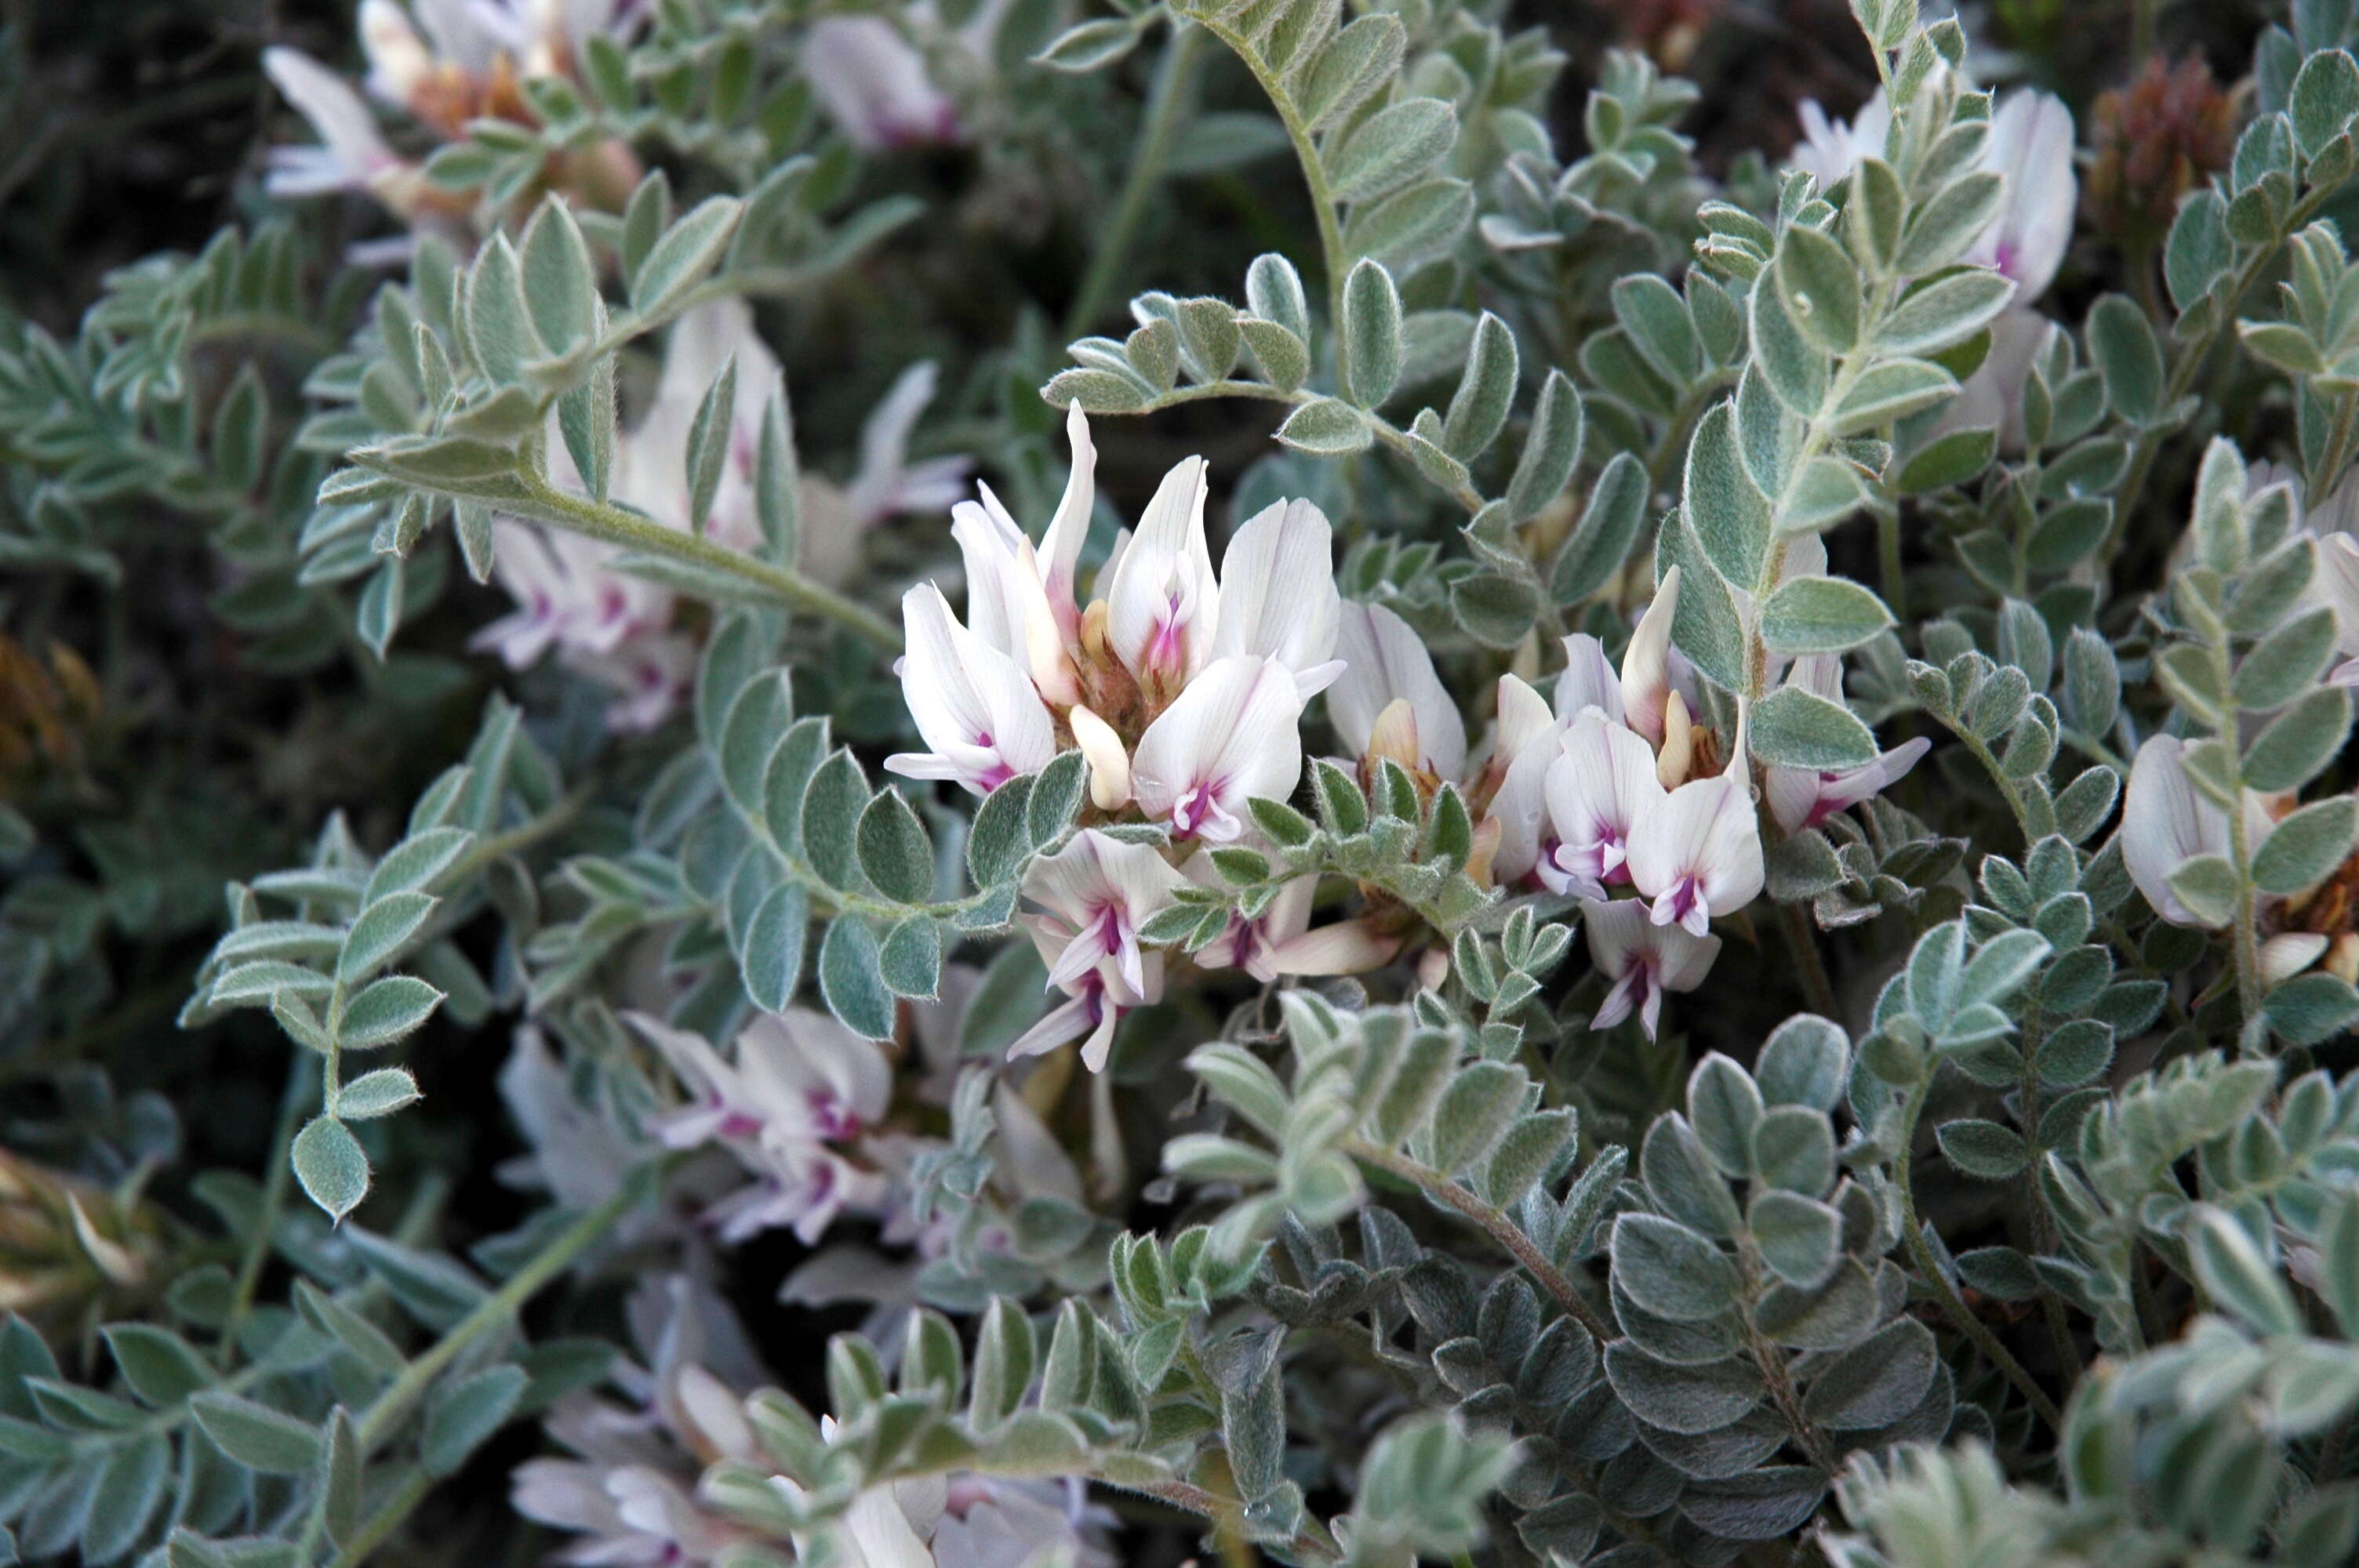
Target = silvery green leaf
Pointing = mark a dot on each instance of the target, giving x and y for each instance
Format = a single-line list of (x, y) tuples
[(1551, 450), (1208, 336), (1689, 1401), (1723, 1107), (709, 436), (1347, 69), (2123, 347), (2300, 741), (851, 981), (386, 1010), (1671, 1271), (1821, 615), (895, 849), (2285, 664), (2206, 884), (1090, 45), (380, 1093), (1804, 1062), (328, 1162), (1952, 458), (1706, 628), (1763, 1505), (255, 1435), (462, 1417), (1284, 361), (1273, 293), (778, 481), (1412, 224), (910, 961), (1096, 392), (2309, 1008), (1371, 334), (2239, 1276), (1327, 427), (772, 962), (2325, 95), (1478, 409), (561, 283), (1942, 230), (1657, 321), (2305, 847), (1792, 728), (161, 1368), (1391, 147), (378, 614), (1482, 1101), (1875, 1382), (1793, 367), (499, 319), (688, 249), (1892, 390), (1731, 518), (1681, 1177), (381, 929), (1984, 1150), (1153, 350), (1820, 287), (1944, 313)]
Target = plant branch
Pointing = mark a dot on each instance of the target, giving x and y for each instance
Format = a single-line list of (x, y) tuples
[(1501, 1229), (614, 524), (1912, 1233)]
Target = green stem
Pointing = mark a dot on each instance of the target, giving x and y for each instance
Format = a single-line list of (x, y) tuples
[(379, 1526), (1500, 1228), (1306, 153), (2043, 1233), (387, 1411), (1887, 551), (1913, 1233), (1980, 750), (1816, 984), (1175, 74), (614, 524), (2246, 938), (1771, 1363), (276, 1182)]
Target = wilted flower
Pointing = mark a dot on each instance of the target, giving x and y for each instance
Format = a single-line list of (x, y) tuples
[(1095, 894), (2167, 821), (802, 1086), (2154, 141), (1644, 958)]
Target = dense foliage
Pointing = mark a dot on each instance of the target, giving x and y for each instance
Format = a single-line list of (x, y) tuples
[(665, 906)]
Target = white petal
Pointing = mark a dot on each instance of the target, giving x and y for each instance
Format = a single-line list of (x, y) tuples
[(1386, 660), (874, 85), (1646, 663), (1235, 733), (1109, 764), (1588, 681), (2166, 822), (2289, 954), (1277, 587), (1163, 604), (1060, 549), (964, 693), (2031, 144), (334, 110)]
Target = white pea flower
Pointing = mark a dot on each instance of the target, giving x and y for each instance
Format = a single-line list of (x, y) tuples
[(874, 85), (1647, 686), (1644, 958), (1524, 746), (1386, 663), (975, 707), (1588, 681), (1280, 941), (1278, 594), (1829, 148), (801, 1086), (1162, 600), (967, 1520), (1600, 787), (1698, 854), (353, 155), (1235, 733), (2167, 821), (1803, 797), (1094, 895)]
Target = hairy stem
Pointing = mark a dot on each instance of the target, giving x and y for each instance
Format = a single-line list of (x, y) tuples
[(1500, 1228), (1175, 75), (1913, 1234), (1816, 984), (614, 524)]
